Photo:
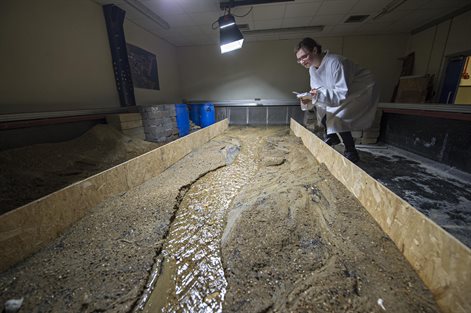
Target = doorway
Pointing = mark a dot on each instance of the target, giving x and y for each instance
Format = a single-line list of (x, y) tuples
[(456, 84), (463, 95)]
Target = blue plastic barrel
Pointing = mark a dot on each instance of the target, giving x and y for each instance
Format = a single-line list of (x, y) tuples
[(207, 114), (195, 113), (183, 119)]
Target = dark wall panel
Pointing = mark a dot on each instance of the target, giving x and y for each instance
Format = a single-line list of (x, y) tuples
[(444, 140), (278, 115), (257, 116)]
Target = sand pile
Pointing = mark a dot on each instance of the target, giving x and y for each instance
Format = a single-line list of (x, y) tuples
[(31, 172)]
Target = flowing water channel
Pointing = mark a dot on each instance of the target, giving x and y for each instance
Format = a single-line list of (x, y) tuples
[(192, 277)]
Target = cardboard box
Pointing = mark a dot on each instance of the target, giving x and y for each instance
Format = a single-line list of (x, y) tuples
[(413, 89)]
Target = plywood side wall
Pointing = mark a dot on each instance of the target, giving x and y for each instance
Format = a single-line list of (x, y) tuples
[(26, 229), (442, 262)]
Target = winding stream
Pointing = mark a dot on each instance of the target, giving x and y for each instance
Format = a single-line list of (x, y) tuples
[(192, 277)]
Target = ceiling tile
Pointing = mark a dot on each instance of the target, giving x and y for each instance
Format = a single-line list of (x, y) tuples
[(412, 4), (147, 24), (335, 7), (302, 1), (302, 9), (192, 6), (179, 20), (207, 30), (436, 4), (345, 28), (400, 27), (103, 2), (267, 37), (164, 7), (392, 16), (205, 18), (296, 22), (133, 14), (249, 39), (268, 12), (298, 35), (241, 11), (185, 32), (408, 23), (368, 6), (244, 20), (191, 20), (327, 30), (374, 27), (426, 15), (267, 24), (327, 19)]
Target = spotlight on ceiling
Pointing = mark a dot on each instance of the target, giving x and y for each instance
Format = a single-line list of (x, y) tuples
[(230, 37)]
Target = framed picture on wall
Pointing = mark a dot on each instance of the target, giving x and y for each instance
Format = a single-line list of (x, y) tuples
[(143, 66)]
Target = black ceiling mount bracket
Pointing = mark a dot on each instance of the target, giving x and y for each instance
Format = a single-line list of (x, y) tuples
[(114, 18)]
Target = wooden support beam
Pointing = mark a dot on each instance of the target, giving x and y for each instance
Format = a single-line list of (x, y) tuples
[(27, 229), (442, 262)]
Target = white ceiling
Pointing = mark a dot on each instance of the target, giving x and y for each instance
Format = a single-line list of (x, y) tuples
[(190, 20)]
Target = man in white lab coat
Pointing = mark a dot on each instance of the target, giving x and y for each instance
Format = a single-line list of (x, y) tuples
[(345, 95)]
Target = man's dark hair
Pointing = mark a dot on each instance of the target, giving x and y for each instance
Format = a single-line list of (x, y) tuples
[(308, 44)]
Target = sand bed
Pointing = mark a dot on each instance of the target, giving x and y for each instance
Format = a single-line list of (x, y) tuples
[(298, 241), (31, 172), (295, 241)]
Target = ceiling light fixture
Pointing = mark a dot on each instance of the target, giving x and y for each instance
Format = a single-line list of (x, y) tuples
[(230, 37)]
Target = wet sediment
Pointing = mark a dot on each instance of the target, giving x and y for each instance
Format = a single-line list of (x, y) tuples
[(192, 277), (298, 241), (264, 230), (103, 262)]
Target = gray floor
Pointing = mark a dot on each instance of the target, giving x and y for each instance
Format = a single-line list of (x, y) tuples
[(440, 192)]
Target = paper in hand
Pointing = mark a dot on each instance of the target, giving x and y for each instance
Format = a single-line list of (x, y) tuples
[(306, 104), (303, 95)]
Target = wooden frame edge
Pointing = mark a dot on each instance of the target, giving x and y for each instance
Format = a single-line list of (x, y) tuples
[(28, 228), (442, 262)]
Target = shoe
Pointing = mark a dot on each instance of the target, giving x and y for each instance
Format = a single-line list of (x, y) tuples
[(352, 155), (332, 140)]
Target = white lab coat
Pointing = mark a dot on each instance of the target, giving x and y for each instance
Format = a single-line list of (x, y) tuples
[(347, 94)]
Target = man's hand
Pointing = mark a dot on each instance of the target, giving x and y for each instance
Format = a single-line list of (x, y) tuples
[(314, 92), (304, 101)]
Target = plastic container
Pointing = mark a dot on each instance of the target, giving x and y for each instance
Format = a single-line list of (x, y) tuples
[(183, 119), (195, 113), (207, 114)]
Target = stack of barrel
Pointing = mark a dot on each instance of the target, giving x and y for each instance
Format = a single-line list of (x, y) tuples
[(202, 115)]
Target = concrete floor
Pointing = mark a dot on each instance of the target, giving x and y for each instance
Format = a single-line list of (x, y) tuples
[(440, 192)]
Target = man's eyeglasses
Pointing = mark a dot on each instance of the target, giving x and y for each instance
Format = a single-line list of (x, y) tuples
[(303, 57)]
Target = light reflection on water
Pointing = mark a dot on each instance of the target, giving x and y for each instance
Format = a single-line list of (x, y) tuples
[(192, 270)]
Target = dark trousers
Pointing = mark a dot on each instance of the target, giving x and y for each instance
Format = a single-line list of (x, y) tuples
[(346, 136)]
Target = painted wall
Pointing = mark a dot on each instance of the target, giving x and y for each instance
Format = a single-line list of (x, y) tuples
[(268, 69), (463, 96), (433, 45), (55, 56), (166, 55), (467, 69)]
